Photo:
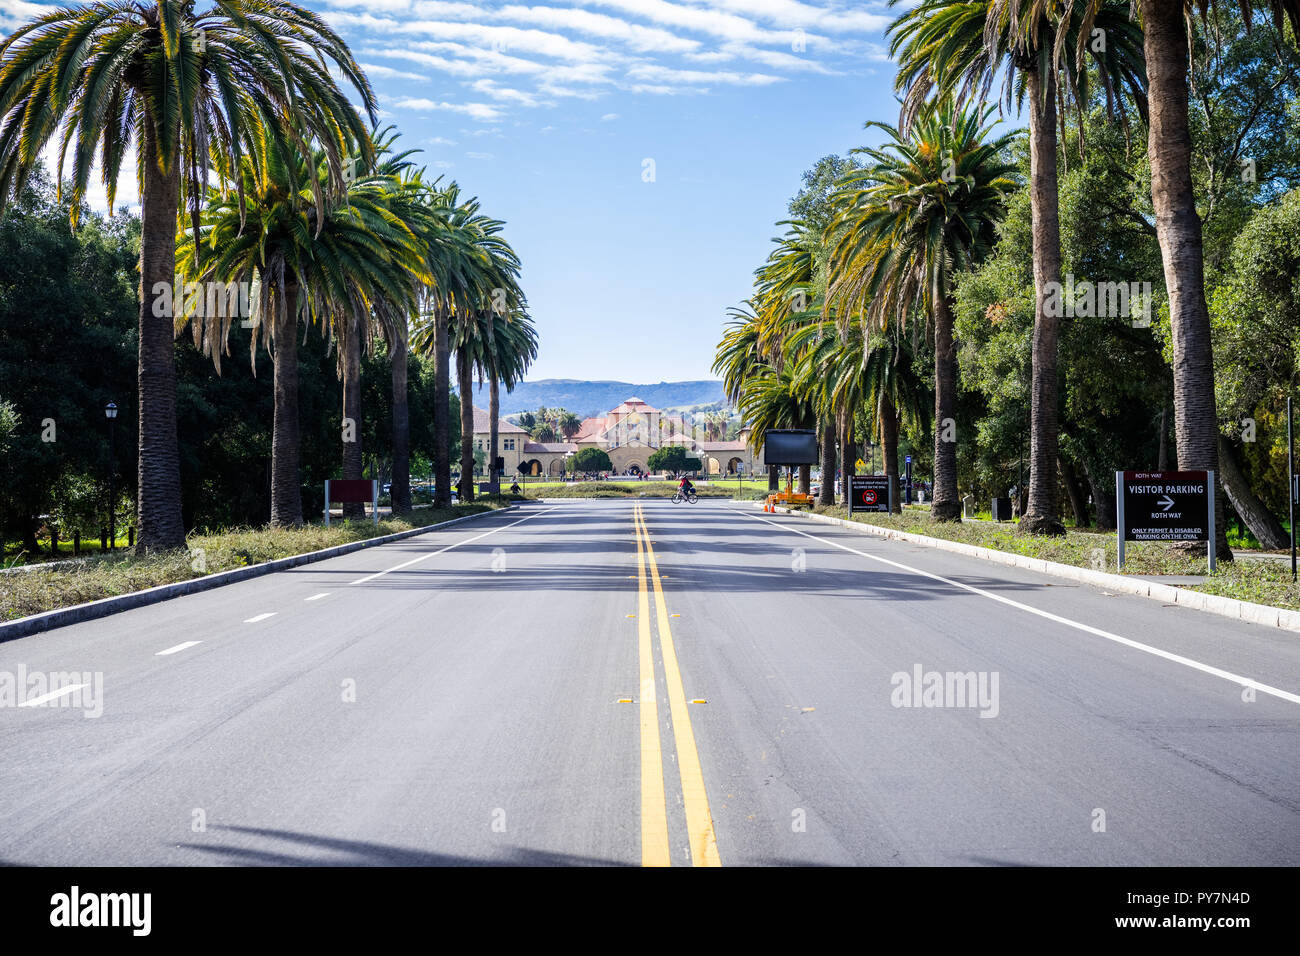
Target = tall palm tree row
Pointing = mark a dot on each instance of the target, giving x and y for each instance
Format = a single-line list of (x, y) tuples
[(359, 259), (924, 208), (475, 276), (195, 94), (959, 47)]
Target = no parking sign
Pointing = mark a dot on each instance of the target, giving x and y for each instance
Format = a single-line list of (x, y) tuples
[(868, 493)]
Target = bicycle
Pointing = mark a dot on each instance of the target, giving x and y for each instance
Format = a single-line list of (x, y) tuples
[(690, 497)]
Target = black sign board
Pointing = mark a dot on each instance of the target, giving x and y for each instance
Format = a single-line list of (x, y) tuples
[(868, 493), (790, 446), (1165, 506)]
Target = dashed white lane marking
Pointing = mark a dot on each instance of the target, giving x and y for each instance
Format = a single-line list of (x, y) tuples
[(52, 695), (261, 617), (1078, 625), (317, 597), (425, 557), (177, 648)]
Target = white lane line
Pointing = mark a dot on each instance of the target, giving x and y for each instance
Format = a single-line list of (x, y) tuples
[(52, 695), (425, 557), (261, 617), (178, 647), (317, 597), (1088, 628)]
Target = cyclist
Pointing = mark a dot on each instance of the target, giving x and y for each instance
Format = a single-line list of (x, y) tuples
[(685, 486)]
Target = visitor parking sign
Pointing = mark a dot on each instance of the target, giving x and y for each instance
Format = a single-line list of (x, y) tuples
[(1165, 506)]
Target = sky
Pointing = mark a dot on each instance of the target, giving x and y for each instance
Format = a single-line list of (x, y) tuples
[(640, 151)]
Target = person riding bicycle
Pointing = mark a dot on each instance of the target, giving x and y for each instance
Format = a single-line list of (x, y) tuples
[(685, 486)]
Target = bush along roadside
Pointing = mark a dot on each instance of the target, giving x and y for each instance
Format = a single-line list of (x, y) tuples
[(210, 552)]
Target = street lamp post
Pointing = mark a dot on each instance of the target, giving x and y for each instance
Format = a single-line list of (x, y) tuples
[(110, 412)]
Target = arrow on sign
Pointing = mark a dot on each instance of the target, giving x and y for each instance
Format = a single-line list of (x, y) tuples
[(1165, 503)]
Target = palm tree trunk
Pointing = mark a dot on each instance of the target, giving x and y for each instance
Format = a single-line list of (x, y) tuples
[(159, 465), (441, 410), (1162, 456), (946, 506), (827, 491), (353, 462), (889, 449), (805, 478), (400, 494), (1178, 227), (465, 383), (846, 453), (286, 482), (494, 412), (1042, 516)]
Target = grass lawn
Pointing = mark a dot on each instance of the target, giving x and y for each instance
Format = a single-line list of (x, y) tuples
[(32, 592), (1260, 582)]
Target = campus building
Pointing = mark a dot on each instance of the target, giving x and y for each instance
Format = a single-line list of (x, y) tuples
[(629, 434)]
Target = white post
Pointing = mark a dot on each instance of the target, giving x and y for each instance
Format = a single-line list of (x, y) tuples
[(327, 502), (1119, 516)]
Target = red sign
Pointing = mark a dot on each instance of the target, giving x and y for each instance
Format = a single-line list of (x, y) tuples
[(868, 497), (351, 489)]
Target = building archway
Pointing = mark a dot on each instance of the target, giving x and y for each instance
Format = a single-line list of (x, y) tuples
[(555, 468), (733, 466), (635, 468), (712, 466), (532, 467)]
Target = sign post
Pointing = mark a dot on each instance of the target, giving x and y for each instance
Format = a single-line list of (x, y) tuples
[(1292, 485), (907, 499), (1164, 506), (869, 493)]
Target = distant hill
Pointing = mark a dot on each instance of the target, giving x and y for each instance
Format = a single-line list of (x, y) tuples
[(585, 398)]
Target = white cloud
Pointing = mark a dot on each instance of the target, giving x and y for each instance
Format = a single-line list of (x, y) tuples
[(478, 111), (388, 73), (663, 73), (480, 155), (441, 141), (609, 117)]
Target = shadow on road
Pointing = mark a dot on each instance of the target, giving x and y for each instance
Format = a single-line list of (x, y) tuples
[(289, 848)]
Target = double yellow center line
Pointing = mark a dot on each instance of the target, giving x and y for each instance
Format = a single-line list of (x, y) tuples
[(654, 812)]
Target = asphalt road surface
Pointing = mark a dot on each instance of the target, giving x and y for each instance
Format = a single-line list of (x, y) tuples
[(621, 682)]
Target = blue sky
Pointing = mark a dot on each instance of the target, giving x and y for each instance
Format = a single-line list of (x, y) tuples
[(548, 111)]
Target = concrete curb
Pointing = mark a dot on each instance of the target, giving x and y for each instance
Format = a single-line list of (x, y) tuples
[(78, 613), (1166, 593)]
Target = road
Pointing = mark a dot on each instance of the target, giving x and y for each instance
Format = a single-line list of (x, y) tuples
[(627, 683)]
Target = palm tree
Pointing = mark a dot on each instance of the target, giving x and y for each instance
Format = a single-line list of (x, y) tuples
[(475, 273), (570, 425), (302, 268), (925, 208), (514, 348), (770, 399), (958, 47), (193, 91), (385, 211), (841, 369)]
